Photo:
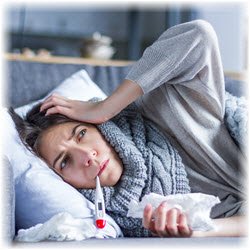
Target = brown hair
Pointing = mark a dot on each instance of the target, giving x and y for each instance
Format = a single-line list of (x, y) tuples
[(31, 127)]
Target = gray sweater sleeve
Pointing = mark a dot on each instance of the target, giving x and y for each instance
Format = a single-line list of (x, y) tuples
[(176, 57)]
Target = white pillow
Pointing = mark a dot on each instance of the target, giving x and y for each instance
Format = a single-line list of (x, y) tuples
[(79, 86), (40, 193)]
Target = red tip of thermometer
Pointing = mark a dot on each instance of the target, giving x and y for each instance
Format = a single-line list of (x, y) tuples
[(99, 206), (100, 223)]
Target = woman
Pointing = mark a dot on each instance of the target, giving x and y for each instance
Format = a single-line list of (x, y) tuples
[(176, 119)]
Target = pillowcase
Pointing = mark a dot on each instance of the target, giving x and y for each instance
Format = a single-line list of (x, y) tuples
[(79, 86), (40, 193)]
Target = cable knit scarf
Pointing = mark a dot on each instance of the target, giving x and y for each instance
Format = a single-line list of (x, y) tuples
[(150, 163)]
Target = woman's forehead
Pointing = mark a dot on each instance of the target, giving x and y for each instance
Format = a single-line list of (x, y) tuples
[(63, 127), (53, 137), (58, 132)]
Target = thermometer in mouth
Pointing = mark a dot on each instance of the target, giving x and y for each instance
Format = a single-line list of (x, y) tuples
[(99, 206)]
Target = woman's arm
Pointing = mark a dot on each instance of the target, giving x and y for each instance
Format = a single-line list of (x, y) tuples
[(166, 222), (97, 112), (178, 55), (125, 94), (234, 226)]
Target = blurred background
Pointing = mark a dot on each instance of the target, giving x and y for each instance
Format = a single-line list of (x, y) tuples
[(119, 32)]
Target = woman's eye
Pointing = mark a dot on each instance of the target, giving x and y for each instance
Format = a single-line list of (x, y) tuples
[(63, 163), (82, 133)]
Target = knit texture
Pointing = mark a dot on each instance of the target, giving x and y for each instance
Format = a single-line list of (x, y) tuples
[(150, 163), (236, 119)]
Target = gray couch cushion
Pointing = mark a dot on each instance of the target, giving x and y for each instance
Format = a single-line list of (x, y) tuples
[(235, 87), (29, 81)]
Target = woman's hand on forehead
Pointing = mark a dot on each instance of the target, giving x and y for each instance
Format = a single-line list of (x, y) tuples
[(78, 110)]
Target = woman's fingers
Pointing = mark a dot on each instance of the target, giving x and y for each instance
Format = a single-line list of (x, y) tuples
[(54, 100), (58, 109), (166, 222), (148, 220), (161, 220), (183, 227), (56, 106), (172, 222)]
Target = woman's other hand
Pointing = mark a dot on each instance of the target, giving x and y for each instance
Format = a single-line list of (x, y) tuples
[(78, 110), (164, 222), (94, 112)]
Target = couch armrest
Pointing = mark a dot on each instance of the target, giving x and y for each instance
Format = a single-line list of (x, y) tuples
[(8, 204)]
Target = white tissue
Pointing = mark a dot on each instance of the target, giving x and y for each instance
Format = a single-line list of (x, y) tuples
[(196, 206), (64, 227)]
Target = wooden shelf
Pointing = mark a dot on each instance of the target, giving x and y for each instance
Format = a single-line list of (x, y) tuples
[(66, 60), (77, 60)]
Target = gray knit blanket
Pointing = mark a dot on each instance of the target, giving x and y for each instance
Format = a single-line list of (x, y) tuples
[(236, 119), (150, 163)]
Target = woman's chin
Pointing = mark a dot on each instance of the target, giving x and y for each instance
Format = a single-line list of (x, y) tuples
[(111, 180)]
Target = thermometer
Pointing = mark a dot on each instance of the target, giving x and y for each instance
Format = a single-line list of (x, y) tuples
[(99, 206)]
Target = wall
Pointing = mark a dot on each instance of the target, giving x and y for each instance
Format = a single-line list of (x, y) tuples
[(65, 27), (230, 23)]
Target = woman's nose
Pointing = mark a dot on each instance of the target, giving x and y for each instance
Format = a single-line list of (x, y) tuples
[(85, 157)]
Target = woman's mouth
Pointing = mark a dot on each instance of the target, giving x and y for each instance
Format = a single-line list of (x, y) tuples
[(103, 166)]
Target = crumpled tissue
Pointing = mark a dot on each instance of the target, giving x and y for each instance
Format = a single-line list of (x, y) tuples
[(64, 227), (196, 206)]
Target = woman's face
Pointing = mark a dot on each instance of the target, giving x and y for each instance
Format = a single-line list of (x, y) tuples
[(78, 153)]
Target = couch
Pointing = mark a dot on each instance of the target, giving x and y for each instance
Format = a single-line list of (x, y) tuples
[(28, 79)]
